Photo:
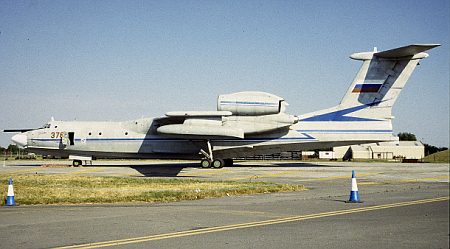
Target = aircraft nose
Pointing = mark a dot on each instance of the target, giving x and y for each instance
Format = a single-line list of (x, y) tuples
[(20, 139)]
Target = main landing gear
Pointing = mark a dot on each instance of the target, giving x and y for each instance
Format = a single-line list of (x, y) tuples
[(216, 163), (210, 162)]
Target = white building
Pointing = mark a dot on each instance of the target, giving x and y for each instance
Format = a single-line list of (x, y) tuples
[(327, 155), (383, 150)]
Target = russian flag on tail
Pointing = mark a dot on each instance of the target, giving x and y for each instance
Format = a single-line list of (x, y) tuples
[(10, 197), (354, 195), (366, 88)]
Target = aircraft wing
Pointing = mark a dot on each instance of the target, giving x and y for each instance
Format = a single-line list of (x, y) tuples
[(190, 114), (197, 125)]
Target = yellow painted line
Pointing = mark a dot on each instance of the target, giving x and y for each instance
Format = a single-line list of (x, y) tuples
[(250, 224), (36, 168), (345, 177), (203, 172), (262, 175), (245, 213), (437, 178), (85, 171), (371, 183)]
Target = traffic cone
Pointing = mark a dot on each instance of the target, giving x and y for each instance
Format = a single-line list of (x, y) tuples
[(10, 197), (354, 195)]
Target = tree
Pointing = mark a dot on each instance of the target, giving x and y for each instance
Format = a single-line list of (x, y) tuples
[(430, 149), (13, 149), (406, 136)]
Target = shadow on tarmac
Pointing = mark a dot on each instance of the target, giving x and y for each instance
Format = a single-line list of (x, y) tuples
[(284, 165), (162, 170), (174, 169)]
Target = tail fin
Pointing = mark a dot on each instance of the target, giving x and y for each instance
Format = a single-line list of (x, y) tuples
[(380, 79)]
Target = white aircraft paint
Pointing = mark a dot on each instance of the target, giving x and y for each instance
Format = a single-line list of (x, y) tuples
[(245, 123)]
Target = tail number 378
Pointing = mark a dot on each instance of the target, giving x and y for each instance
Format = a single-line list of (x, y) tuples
[(57, 134)]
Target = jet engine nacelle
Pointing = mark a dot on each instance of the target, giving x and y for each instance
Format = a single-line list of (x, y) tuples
[(251, 103)]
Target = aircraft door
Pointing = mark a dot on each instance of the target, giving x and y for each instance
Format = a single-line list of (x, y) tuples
[(71, 136), (68, 139)]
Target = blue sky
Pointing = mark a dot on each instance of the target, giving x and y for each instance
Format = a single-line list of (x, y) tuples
[(120, 60)]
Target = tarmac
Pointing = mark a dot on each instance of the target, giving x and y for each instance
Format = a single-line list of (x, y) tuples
[(404, 206)]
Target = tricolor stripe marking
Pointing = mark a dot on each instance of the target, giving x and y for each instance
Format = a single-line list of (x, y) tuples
[(367, 88)]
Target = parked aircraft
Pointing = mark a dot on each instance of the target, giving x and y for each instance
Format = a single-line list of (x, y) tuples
[(245, 123)]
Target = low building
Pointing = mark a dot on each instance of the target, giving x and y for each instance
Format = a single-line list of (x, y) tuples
[(326, 155), (308, 155), (382, 151)]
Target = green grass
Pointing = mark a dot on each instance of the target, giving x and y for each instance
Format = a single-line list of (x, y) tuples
[(64, 189), (438, 157)]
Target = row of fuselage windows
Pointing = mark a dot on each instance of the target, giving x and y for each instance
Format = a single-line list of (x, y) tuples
[(90, 133)]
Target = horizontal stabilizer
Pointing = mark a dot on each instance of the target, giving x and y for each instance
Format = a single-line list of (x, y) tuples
[(410, 50)]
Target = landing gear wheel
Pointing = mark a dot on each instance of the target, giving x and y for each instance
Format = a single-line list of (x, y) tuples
[(218, 163), (205, 163), (77, 163), (228, 162)]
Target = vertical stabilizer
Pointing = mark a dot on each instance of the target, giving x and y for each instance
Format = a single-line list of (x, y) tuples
[(381, 78)]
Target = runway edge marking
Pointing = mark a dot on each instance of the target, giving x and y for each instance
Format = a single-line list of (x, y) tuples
[(250, 224)]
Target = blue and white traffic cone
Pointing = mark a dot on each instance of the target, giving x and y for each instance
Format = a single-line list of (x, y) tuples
[(10, 197), (354, 195)]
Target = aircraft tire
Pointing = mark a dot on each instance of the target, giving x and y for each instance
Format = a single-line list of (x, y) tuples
[(217, 163), (205, 163), (77, 163), (228, 162)]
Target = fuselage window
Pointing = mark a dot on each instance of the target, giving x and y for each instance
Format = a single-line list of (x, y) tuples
[(90, 133), (56, 126), (126, 133), (99, 133)]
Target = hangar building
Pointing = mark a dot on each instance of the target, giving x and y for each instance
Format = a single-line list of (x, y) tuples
[(382, 151)]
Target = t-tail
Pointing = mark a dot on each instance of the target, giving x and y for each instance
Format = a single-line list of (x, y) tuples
[(367, 105)]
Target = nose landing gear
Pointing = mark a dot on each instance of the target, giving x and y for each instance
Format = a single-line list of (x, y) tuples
[(77, 163)]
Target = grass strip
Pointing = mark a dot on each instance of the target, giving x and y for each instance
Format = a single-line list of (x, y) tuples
[(438, 157), (34, 189)]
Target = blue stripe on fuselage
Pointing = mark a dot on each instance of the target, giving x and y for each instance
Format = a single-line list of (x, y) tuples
[(340, 115), (305, 137), (248, 103), (346, 131)]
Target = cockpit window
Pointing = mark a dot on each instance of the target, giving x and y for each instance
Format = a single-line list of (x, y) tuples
[(46, 126)]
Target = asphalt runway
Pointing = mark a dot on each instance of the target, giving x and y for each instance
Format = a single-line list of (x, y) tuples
[(405, 205)]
